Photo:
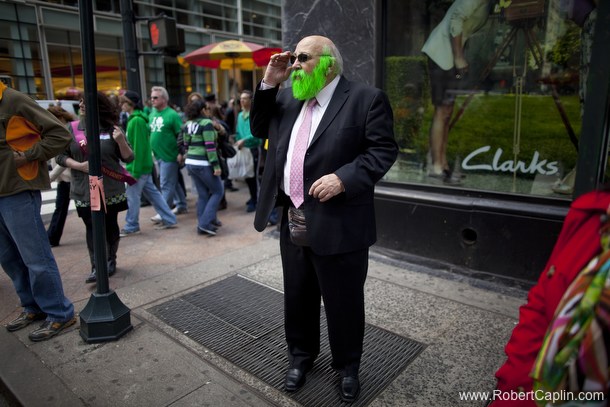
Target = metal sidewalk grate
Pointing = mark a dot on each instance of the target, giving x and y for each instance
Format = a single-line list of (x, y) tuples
[(242, 321)]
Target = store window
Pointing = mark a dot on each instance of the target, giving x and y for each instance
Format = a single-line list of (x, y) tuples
[(488, 95), (66, 72), (65, 61)]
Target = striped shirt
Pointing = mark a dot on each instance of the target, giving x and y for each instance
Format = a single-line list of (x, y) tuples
[(199, 138)]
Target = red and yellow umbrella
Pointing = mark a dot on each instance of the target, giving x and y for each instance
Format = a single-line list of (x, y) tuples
[(231, 54)]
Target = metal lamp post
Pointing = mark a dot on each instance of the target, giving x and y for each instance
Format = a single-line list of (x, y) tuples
[(105, 317)]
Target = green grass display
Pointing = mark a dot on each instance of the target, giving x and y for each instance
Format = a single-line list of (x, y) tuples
[(490, 120)]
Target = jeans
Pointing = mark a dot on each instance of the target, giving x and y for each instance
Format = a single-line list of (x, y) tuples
[(209, 193), (26, 257), (146, 185), (172, 193), (62, 204)]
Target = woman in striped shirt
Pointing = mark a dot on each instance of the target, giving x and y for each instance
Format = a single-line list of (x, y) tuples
[(199, 137)]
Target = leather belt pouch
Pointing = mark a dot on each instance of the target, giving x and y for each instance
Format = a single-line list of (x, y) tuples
[(297, 226)]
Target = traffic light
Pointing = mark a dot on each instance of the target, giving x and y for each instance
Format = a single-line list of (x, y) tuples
[(175, 51), (163, 33)]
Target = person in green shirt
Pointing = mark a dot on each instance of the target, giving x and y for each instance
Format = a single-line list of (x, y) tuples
[(165, 126), (141, 168), (244, 138)]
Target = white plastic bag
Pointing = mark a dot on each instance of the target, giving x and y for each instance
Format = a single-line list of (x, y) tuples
[(241, 166)]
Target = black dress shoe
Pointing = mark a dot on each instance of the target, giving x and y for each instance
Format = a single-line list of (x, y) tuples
[(295, 379), (111, 267), (349, 388), (92, 277)]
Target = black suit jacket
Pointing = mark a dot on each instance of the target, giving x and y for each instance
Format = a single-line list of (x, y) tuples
[(355, 140)]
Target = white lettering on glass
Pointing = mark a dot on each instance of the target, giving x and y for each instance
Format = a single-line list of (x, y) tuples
[(535, 166)]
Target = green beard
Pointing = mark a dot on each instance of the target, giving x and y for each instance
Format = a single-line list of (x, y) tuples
[(307, 85)]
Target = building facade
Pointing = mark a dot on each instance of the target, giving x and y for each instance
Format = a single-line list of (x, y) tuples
[(528, 131), (40, 44)]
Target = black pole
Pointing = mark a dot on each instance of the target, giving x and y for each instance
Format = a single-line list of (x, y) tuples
[(104, 317), (93, 142), (131, 46), (593, 154)]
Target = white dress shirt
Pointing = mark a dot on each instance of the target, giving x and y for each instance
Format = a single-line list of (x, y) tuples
[(323, 99)]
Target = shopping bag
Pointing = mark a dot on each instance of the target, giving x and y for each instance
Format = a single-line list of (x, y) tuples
[(241, 165)]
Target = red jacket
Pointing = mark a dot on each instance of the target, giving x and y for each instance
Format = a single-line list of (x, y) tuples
[(578, 242)]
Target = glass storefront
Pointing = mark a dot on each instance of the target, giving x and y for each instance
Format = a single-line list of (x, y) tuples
[(488, 96)]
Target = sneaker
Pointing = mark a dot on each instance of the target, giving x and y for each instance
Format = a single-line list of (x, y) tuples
[(179, 211), (216, 223), (251, 208), (125, 233), (156, 219), (206, 231), (25, 319), (163, 226), (49, 329)]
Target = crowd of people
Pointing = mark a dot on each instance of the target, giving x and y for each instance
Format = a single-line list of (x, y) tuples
[(143, 151)]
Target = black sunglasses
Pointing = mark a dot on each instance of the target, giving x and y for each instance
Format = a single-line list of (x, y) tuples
[(302, 57), (154, 97)]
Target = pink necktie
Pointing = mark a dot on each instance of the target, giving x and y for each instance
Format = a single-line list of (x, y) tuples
[(298, 156)]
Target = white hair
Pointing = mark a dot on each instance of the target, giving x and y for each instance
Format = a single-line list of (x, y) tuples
[(162, 90), (332, 50)]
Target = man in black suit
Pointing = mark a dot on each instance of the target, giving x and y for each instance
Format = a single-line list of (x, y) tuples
[(349, 146)]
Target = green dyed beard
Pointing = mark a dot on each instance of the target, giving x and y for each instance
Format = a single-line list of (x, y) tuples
[(307, 85)]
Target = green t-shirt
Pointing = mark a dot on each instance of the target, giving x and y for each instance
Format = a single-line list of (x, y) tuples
[(164, 129), (242, 131)]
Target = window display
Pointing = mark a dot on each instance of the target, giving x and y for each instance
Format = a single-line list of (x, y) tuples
[(488, 95)]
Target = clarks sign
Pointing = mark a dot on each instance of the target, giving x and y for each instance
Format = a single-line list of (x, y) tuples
[(535, 166)]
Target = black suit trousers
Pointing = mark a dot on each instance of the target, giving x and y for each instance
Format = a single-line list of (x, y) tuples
[(337, 279)]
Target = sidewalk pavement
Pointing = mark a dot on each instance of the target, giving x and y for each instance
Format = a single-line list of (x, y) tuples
[(463, 322)]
